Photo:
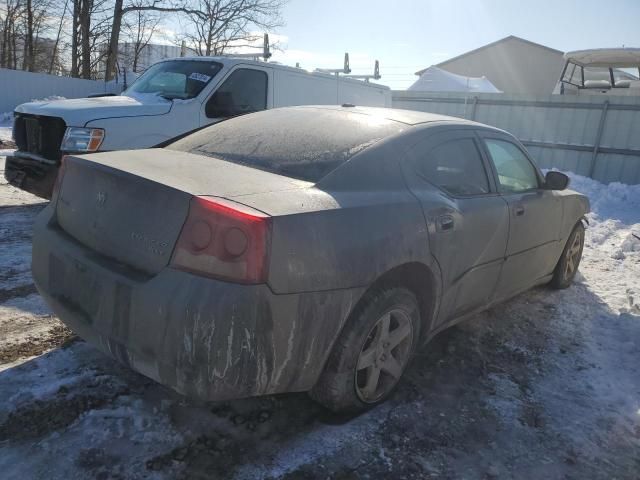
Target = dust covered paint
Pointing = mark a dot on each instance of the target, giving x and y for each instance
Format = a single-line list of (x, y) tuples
[(260, 313)]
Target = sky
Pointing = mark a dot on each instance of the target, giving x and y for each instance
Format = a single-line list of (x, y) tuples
[(408, 35)]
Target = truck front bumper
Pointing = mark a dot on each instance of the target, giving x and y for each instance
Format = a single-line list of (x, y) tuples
[(31, 174)]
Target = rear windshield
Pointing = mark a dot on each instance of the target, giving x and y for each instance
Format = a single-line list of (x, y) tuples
[(176, 79), (303, 143)]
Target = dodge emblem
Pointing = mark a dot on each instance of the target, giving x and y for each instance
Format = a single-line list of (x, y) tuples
[(101, 198)]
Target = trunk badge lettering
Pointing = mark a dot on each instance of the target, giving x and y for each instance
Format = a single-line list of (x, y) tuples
[(149, 244)]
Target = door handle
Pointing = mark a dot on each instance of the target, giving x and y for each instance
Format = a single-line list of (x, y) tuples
[(518, 210), (445, 222)]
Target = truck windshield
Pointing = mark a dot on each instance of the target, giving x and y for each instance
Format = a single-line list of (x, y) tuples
[(173, 79)]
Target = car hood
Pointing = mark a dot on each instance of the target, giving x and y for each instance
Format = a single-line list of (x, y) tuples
[(77, 112)]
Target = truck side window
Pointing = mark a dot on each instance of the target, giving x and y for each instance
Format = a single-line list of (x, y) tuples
[(244, 91)]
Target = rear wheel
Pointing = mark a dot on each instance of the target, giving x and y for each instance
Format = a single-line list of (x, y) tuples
[(372, 352), (567, 266)]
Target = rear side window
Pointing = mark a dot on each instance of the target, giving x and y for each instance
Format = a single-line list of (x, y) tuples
[(456, 167), (304, 142), (515, 171), (245, 91)]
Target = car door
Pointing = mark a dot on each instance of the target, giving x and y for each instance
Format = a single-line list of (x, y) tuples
[(244, 90), (535, 215), (466, 219)]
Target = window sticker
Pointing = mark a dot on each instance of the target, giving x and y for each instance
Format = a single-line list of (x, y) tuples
[(201, 77)]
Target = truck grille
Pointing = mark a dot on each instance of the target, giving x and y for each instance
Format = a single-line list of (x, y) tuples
[(39, 135)]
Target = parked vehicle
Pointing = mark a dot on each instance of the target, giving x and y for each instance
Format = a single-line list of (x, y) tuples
[(300, 249), (172, 98), (603, 71)]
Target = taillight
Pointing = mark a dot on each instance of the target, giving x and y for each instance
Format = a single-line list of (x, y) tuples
[(223, 239), (58, 182)]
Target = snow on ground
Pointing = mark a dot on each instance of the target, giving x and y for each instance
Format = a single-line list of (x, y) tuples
[(6, 124), (544, 386)]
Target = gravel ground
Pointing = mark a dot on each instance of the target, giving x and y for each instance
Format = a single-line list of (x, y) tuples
[(544, 386)]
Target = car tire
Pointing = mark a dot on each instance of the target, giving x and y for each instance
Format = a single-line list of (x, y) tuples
[(567, 266), (371, 353)]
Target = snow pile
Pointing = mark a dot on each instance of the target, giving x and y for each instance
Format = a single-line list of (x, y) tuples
[(612, 243), (616, 200), (615, 217), (50, 98)]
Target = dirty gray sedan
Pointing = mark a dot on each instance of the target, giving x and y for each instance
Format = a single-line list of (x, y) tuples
[(300, 249)]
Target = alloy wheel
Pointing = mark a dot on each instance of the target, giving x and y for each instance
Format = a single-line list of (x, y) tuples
[(572, 256), (384, 355)]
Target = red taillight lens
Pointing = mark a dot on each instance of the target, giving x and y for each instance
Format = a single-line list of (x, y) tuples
[(58, 182), (223, 239)]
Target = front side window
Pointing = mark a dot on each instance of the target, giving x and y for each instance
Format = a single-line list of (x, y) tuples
[(175, 79), (245, 91), (515, 171), (456, 167)]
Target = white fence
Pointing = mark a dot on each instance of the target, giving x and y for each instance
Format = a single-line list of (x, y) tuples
[(596, 136), (18, 87)]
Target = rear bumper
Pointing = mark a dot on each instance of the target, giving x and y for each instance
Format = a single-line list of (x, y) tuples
[(204, 338), (31, 175)]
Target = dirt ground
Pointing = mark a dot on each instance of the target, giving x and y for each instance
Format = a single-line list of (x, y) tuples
[(545, 386)]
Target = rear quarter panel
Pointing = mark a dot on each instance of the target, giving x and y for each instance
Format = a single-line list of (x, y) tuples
[(360, 238)]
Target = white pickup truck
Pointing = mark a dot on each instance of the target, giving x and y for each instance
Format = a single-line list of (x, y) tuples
[(171, 99)]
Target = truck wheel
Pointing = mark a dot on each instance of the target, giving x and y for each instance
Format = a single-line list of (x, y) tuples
[(371, 353), (567, 266)]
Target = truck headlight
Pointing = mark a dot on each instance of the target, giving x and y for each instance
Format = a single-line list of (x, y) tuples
[(82, 139)]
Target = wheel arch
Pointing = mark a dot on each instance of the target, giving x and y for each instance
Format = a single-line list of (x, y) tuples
[(417, 277)]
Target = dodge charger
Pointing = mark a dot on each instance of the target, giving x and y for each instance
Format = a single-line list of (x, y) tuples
[(303, 249)]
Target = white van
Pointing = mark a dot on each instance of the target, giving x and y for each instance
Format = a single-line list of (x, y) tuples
[(171, 99)]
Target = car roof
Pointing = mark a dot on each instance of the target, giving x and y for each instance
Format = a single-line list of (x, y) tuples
[(408, 117)]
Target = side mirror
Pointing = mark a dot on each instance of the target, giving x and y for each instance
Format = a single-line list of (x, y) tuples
[(555, 181)]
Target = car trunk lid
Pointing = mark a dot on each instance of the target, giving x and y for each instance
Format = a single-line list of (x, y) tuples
[(130, 206)]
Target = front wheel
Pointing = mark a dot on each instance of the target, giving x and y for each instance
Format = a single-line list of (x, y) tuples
[(371, 353), (567, 266)]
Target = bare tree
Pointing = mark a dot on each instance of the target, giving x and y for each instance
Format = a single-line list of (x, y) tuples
[(27, 56), (90, 28), (120, 9), (54, 53), (38, 15), (24, 25), (139, 29), (216, 25), (10, 16)]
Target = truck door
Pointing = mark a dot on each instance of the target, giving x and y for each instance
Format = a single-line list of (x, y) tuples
[(467, 220), (535, 216), (245, 89)]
